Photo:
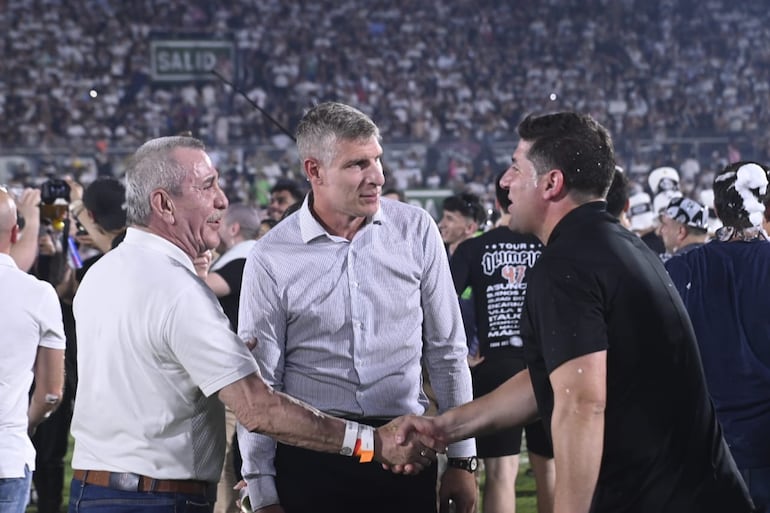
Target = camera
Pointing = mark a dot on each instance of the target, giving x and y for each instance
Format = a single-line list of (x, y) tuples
[(54, 197), (54, 189)]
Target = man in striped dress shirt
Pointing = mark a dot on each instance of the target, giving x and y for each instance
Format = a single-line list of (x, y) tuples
[(345, 297)]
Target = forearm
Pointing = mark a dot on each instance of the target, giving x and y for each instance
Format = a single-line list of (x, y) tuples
[(40, 408), (24, 252), (261, 409), (511, 404), (578, 435), (49, 385)]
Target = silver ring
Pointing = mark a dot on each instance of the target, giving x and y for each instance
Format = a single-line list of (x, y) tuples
[(423, 453)]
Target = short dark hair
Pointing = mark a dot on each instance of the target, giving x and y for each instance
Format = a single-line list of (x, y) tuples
[(617, 194), (285, 184), (105, 198), (467, 204), (501, 194), (728, 202), (575, 144)]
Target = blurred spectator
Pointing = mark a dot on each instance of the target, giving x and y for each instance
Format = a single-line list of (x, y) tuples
[(284, 194)]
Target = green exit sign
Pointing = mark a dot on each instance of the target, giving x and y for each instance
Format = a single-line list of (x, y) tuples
[(183, 60)]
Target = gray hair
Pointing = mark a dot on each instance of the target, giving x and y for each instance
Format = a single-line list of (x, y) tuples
[(323, 125), (152, 167), (247, 218)]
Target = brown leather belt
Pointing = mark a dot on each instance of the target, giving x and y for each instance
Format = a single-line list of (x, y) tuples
[(135, 483)]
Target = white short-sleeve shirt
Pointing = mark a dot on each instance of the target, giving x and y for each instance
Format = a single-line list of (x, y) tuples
[(30, 317), (154, 347)]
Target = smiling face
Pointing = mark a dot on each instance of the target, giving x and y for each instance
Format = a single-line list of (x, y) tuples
[(198, 212), (348, 187), (279, 202), (455, 227), (524, 190)]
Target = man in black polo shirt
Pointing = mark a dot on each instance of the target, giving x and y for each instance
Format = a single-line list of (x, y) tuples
[(611, 352)]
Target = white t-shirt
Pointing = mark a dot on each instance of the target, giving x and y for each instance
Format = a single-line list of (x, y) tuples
[(30, 316), (154, 347)]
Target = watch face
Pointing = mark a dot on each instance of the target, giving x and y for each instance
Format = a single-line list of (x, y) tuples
[(473, 463)]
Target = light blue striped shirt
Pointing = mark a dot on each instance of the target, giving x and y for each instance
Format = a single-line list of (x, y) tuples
[(343, 325)]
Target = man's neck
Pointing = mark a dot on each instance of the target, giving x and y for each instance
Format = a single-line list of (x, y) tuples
[(336, 223)]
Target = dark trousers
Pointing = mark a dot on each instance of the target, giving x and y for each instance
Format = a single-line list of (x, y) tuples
[(312, 482)]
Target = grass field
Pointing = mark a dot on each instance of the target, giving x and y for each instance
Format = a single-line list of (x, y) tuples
[(525, 487)]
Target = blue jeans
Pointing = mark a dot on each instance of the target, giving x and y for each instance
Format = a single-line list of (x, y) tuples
[(14, 492), (758, 482), (88, 498)]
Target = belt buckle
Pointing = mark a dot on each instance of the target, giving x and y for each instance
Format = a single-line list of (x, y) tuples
[(124, 481)]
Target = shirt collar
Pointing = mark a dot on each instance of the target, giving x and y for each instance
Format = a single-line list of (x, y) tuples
[(7, 261), (311, 229), (577, 217), (160, 244)]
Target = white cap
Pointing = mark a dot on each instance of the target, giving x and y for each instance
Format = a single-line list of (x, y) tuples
[(662, 199), (640, 212), (663, 179)]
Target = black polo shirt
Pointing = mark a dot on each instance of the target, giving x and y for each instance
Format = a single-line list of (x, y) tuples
[(598, 287)]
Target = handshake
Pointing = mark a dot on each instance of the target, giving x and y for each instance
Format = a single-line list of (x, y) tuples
[(409, 444)]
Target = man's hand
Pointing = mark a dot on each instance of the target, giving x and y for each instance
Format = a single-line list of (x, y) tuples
[(244, 503), (28, 205), (202, 263), (408, 444), (76, 190), (459, 487)]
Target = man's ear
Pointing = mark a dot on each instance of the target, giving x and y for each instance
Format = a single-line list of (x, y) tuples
[(162, 204), (312, 170), (14, 234), (554, 184)]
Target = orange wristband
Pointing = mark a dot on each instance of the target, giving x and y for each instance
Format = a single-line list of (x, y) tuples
[(365, 444)]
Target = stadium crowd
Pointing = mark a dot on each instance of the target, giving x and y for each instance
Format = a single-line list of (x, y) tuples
[(681, 85), (454, 78)]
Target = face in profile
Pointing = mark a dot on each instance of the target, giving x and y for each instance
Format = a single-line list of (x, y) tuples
[(668, 230), (523, 186), (199, 210)]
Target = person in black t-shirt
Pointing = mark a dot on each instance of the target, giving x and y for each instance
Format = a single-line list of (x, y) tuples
[(494, 266), (237, 235), (613, 365)]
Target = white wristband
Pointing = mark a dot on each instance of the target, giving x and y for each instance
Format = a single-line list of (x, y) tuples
[(351, 435), (366, 451)]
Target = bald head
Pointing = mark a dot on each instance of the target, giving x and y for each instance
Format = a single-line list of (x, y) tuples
[(8, 229)]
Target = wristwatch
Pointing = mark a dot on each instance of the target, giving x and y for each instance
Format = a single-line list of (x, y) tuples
[(469, 464)]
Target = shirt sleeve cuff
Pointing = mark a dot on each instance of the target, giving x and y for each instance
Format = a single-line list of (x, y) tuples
[(262, 492), (462, 449)]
